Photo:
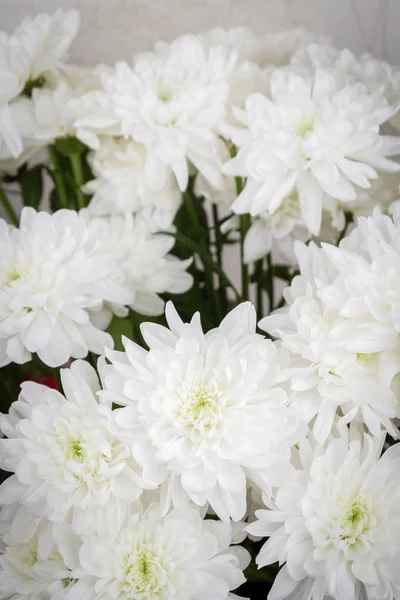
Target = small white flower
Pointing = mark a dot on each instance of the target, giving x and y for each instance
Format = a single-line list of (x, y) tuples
[(203, 412), (176, 556), (342, 327), (279, 228), (173, 101), (52, 272), (377, 75), (64, 101), (122, 183), (33, 563), (383, 192), (269, 50), (35, 48), (336, 525), (45, 40), (65, 458), (146, 268), (26, 126), (312, 136)]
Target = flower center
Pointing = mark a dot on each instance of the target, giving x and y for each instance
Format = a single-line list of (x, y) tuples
[(75, 450), (305, 128), (355, 521), (199, 405), (30, 553), (145, 573), (11, 276)]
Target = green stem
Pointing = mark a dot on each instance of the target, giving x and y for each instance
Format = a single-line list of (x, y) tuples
[(209, 283), (244, 227), (76, 164), (270, 283), (8, 208), (218, 248), (187, 198), (349, 219), (58, 178), (259, 274)]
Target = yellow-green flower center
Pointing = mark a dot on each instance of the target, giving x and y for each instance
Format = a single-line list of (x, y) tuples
[(199, 404), (145, 573), (355, 521)]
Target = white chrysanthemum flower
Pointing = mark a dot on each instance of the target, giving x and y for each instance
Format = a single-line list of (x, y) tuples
[(35, 48), (383, 192), (174, 556), (68, 98), (203, 412), (342, 326), (313, 137), (122, 183), (336, 525), (174, 101), (52, 272), (378, 75), (65, 458), (278, 229), (44, 40), (52, 114), (33, 564), (147, 267), (269, 50), (28, 129)]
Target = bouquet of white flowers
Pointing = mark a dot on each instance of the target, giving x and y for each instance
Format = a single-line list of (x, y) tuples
[(209, 425)]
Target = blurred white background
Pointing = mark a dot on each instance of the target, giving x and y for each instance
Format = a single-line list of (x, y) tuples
[(114, 29)]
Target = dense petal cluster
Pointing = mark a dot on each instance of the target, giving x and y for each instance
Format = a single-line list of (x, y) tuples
[(203, 412), (147, 268), (122, 183), (377, 75), (62, 451), (313, 136), (336, 525), (34, 562), (178, 555), (27, 57), (61, 273), (173, 101), (341, 326)]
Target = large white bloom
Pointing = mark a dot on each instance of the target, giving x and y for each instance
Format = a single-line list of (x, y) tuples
[(52, 272), (152, 556), (336, 525), (173, 100), (342, 327), (122, 183), (33, 563), (35, 48), (62, 451), (147, 268), (203, 412), (312, 136)]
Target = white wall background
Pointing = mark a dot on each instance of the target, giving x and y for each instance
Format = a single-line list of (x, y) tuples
[(113, 29)]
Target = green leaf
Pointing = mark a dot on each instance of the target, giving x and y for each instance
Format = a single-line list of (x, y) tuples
[(69, 145), (266, 574), (205, 257), (31, 182), (120, 326)]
